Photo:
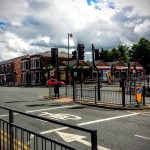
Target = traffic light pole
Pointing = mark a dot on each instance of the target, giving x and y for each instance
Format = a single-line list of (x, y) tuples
[(58, 76), (98, 82), (54, 63)]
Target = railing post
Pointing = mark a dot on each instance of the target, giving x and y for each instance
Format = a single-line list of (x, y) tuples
[(94, 140), (143, 95), (95, 94), (73, 90), (123, 96), (81, 89), (11, 119), (66, 90)]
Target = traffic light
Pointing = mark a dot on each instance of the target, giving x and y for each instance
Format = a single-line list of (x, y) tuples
[(97, 54), (74, 55), (54, 57), (80, 51)]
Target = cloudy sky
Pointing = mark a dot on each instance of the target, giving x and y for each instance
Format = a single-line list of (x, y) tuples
[(32, 26)]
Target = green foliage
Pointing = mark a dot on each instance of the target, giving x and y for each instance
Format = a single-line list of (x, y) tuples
[(141, 52), (119, 53)]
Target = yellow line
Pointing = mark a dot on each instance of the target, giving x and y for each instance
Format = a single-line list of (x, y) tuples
[(15, 141)]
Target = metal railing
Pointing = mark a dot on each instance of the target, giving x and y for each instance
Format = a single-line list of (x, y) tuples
[(118, 94), (15, 137)]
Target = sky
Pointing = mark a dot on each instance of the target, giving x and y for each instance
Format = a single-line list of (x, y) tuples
[(33, 26)]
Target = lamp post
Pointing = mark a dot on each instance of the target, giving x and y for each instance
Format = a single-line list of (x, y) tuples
[(69, 35)]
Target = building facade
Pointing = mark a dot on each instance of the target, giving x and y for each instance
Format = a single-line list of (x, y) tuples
[(36, 69)]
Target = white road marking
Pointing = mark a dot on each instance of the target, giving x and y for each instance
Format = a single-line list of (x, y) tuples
[(54, 130), (7, 115), (67, 136), (59, 116), (86, 123), (4, 115), (106, 119), (50, 108), (142, 113), (73, 137), (142, 137)]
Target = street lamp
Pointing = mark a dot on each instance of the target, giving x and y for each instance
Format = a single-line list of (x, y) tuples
[(69, 35)]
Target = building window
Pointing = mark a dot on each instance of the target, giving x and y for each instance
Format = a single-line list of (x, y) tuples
[(3, 70), (9, 67), (23, 77), (27, 65), (35, 63), (6, 68), (35, 76)]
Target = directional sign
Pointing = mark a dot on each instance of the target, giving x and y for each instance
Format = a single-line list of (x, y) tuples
[(138, 90), (73, 137), (138, 94)]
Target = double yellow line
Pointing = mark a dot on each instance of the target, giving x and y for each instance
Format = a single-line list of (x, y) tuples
[(17, 144)]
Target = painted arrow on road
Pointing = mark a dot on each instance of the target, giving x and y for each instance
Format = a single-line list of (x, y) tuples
[(73, 137)]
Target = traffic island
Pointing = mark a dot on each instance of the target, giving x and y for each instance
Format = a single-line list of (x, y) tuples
[(113, 106)]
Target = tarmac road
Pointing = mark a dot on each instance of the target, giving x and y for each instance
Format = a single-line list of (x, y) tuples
[(116, 129)]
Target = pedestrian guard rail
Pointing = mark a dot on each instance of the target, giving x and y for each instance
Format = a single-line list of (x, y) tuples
[(120, 94), (16, 137)]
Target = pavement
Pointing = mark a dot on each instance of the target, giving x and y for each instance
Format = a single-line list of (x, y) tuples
[(100, 104)]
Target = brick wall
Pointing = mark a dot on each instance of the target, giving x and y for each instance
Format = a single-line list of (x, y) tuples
[(17, 70)]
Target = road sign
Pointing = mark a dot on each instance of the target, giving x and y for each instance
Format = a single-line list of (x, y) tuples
[(138, 94)]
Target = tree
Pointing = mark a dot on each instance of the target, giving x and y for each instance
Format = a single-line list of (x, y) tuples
[(141, 52), (123, 53), (105, 55)]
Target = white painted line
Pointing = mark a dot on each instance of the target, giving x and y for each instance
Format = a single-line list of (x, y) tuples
[(107, 119), (142, 113), (51, 108), (54, 130), (91, 122), (142, 137), (7, 115), (4, 115), (146, 115)]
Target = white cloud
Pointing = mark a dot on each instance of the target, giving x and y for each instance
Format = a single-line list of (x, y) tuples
[(37, 25), (143, 29)]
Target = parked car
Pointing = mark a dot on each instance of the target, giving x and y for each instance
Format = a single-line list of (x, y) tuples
[(53, 82)]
